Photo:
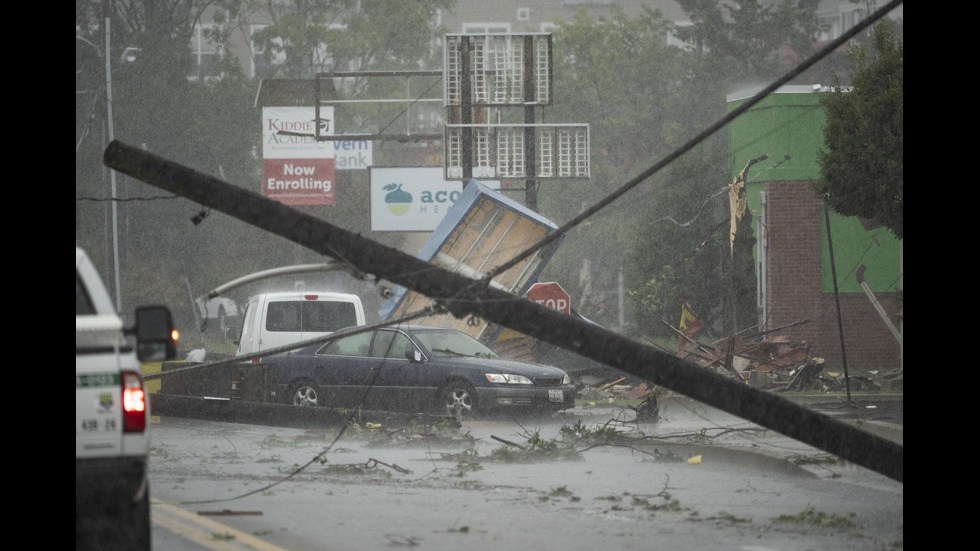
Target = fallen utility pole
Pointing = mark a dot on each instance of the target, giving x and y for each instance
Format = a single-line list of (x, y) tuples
[(463, 297)]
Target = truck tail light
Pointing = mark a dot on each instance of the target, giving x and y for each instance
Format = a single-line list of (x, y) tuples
[(134, 402)]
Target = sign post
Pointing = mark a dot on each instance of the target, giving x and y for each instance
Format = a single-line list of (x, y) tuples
[(550, 295)]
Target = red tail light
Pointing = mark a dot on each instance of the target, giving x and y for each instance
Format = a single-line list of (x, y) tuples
[(134, 402), (311, 297)]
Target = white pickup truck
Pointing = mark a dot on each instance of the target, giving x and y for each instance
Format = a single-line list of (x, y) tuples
[(112, 414)]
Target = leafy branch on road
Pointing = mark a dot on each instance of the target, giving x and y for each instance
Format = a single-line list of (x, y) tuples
[(820, 518)]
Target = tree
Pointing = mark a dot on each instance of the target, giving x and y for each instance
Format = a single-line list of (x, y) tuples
[(311, 36), (211, 124), (622, 78), (730, 45), (862, 169), (750, 38), (642, 98), (155, 105)]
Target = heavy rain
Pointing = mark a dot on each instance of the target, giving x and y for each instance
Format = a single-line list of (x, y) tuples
[(656, 198)]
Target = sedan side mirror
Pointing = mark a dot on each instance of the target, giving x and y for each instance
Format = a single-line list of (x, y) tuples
[(413, 354)]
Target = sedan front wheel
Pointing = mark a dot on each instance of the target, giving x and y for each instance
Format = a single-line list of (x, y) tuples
[(305, 395), (458, 401)]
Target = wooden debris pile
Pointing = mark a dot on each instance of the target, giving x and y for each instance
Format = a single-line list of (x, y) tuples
[(604, 390), (765, 360), (597, 391)]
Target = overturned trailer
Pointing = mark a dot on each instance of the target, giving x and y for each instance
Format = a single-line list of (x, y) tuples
[(482, 230)]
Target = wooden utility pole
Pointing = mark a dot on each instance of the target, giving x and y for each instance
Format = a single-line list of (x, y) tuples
[(462, 297)]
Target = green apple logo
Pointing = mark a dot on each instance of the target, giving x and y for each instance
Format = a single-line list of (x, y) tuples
[(398, 201)]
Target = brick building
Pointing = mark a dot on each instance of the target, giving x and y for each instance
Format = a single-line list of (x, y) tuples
[(795, 275)]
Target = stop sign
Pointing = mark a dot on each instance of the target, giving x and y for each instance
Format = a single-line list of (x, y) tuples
[(550, 295)]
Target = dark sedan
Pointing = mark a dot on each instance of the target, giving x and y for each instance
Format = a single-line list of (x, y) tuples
[(417, 369)]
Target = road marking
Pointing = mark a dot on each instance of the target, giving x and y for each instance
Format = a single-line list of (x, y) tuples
[(203, 530)]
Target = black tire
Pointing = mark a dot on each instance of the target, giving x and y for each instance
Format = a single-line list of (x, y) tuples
[(458, 400), (112, 518), (305, 394), (141, 523)]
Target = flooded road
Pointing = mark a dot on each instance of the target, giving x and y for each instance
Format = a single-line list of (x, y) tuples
[(698, 478)]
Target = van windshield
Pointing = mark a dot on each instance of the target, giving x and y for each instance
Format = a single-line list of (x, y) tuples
[(307, 315)]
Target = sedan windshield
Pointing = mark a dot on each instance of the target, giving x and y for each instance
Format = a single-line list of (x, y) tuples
[(453, 343)]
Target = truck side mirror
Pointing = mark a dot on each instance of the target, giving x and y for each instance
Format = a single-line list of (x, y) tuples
[(154, 334), (231, 334)]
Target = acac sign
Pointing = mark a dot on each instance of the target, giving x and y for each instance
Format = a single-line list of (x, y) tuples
[(411, 199)]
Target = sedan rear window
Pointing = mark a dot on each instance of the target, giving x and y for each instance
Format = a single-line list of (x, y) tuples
[(354, 345)]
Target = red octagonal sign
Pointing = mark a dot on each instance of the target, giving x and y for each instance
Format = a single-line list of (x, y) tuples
[(550, 295)]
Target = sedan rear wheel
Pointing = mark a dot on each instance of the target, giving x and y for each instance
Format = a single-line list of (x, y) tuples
[(305, 395), (458, 401)]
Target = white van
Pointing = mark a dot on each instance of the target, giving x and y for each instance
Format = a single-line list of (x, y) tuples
[(272, 320)]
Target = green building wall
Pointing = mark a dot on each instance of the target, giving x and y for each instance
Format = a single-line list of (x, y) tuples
[(790, 123)]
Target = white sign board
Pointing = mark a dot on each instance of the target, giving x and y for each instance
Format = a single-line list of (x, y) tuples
[(353, 154), (297, 169), (412, 199)]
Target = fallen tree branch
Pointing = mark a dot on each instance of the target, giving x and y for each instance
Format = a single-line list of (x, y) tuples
[(508, 442)]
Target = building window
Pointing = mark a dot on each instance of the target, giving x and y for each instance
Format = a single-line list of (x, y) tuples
[(262, 58), (677, 42), (847, 21), (205, 53), (486, 28), (266, 60)]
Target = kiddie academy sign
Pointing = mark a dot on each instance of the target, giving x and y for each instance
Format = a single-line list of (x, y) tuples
[(296, 169)]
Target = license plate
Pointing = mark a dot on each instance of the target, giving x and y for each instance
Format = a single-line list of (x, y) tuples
[(556, 395)]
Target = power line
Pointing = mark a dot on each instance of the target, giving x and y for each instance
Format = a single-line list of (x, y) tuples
[(126, 200)]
